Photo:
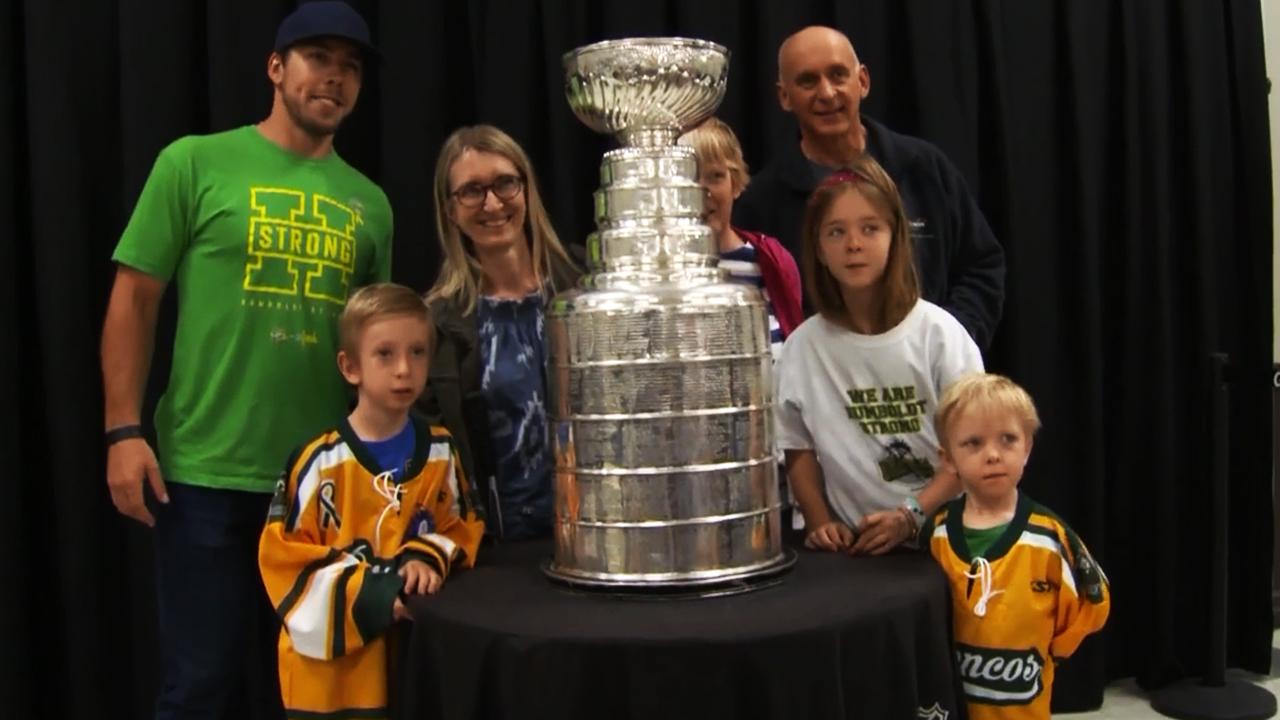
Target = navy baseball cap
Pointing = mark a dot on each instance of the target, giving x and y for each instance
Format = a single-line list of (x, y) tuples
[(325, 18)]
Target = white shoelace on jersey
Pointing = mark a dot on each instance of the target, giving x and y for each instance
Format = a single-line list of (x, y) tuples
[(983, 575), (384, 485)]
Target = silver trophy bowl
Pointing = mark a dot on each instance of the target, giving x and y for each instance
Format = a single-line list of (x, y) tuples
[(659, 86), (659, 368)]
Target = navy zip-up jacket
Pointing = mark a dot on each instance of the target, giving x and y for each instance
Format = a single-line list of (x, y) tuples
[(959, 261)]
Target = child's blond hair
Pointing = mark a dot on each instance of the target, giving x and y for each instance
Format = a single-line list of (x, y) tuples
[(714, 142), (987, 391), (375, 302)]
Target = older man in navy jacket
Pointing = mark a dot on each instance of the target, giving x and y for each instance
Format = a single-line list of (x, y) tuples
[(822, 83)]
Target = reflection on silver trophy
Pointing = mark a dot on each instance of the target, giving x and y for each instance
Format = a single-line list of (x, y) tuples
[(659, 367)]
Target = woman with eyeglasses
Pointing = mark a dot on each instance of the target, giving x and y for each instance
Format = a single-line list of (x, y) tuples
[(502, 263)]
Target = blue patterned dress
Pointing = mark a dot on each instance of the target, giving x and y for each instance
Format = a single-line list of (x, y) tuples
[(513, 383)]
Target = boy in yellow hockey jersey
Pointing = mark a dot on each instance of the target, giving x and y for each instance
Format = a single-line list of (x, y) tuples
[(365, 514), (1024, 589)]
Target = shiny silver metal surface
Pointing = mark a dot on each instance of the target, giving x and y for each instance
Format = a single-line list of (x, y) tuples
[(646, 90), (659, 369), (638, 248)]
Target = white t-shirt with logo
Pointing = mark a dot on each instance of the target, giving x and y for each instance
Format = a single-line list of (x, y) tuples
[(865, 403)]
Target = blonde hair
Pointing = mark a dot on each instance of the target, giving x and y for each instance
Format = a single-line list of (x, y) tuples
[(459, 278), (714, 142), (375, 302), (986, 391), (901, 289)]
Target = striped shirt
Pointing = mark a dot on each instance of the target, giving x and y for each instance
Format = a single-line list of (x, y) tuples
[(741, 265)]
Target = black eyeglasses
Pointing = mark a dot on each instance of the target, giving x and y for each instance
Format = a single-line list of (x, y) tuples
[(505, 187)]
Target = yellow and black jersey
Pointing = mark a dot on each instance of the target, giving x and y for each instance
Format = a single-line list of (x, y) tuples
[(1027, 602), (336, 536)]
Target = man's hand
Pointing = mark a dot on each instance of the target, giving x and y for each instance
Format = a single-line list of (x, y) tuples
[(128, 334), (129, 462)]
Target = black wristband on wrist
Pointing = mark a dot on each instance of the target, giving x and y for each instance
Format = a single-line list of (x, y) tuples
[(124, 432)]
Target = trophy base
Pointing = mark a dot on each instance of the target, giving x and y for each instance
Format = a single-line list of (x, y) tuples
[(748, 580)]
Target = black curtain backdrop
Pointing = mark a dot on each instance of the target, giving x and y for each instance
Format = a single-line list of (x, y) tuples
[(1119, 149)]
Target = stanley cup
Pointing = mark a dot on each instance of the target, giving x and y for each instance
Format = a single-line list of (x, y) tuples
[(659, 367)]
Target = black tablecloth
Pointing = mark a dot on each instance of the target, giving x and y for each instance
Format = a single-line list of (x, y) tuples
[(840, 637)]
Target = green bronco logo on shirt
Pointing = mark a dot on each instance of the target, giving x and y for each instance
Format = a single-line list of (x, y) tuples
[(300, 245)]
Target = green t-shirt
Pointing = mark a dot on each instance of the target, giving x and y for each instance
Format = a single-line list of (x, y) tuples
[(264, 246), (979, 540)]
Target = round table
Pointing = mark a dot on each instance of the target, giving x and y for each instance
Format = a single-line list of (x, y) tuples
[(839, 637)]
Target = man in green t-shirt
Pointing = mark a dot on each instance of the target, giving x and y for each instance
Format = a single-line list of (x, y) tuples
[(265, 231)]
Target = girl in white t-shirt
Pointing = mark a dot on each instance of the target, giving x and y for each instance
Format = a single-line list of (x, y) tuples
[(859, 382)]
